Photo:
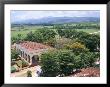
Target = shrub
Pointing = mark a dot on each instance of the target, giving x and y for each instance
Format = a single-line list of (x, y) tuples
[(13, 69), (19, 63), (13, 63), (29, 73), (14, 55), (77, 48), (88, 59), (24, 63)]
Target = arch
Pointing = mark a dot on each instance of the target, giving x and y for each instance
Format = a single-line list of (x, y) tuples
[(35, 59), (28, 58)]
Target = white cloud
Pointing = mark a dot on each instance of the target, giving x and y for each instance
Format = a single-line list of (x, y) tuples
[(23, 15)]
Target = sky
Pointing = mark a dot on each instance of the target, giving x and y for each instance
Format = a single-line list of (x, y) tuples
[(24, 15)]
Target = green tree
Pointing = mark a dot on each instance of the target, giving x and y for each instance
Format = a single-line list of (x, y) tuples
[(30, 36), (77, 48), (57, 63), (14, 55), (66, 62), (88, 59), (38, 37), (13, 40), (91, 41), (51, 42), (49, 63), (47, 33)]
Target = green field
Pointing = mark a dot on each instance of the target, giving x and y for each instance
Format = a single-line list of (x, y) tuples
[(24, 32), (89, 30)]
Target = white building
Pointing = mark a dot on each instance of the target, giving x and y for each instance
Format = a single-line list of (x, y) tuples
[(30, 51)]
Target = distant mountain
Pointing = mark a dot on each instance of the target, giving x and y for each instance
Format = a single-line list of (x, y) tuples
[(58, 20)]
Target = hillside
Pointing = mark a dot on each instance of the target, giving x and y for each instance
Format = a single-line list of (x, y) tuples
[(58, 20)]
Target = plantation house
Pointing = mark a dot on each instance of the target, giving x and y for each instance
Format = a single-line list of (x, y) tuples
[(30, 51)]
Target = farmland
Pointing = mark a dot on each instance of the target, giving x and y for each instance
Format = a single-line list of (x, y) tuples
[(24, 32), (25, 29)]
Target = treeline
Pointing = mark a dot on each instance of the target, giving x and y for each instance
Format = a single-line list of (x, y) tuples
[(63, 26), (78, 26)]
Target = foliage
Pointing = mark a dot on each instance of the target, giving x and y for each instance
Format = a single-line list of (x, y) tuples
[(30, 36), (24, 63), (66, 62), (13, 63), (49, 64), (14, 54), (19, 63), (91, 41), (40, 35), (51, 42), (88, 59), (13, 40), (60, 43), (89, 25), (66, 33), (16, 39), (77, 48), (57, 63), (47, 33), (13, 69), (63, 62), (29, 73), (60, 32)]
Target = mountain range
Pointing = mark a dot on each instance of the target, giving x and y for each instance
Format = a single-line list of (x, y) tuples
[(58, 20)]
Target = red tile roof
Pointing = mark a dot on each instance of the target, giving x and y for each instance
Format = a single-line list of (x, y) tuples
[(33, 46)]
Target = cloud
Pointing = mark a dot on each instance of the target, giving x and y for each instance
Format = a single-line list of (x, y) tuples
[(23, 15)]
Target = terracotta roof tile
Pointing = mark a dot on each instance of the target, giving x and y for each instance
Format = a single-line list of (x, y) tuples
[(33, 46)]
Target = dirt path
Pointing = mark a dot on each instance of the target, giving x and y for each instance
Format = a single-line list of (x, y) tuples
[(23, 73)]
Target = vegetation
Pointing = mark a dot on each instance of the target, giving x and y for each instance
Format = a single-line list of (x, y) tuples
[(29, 73), (13, 69), (14, 54), (49, 64), (76, 46), (24, 63), (41, 36), (63, 62)]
